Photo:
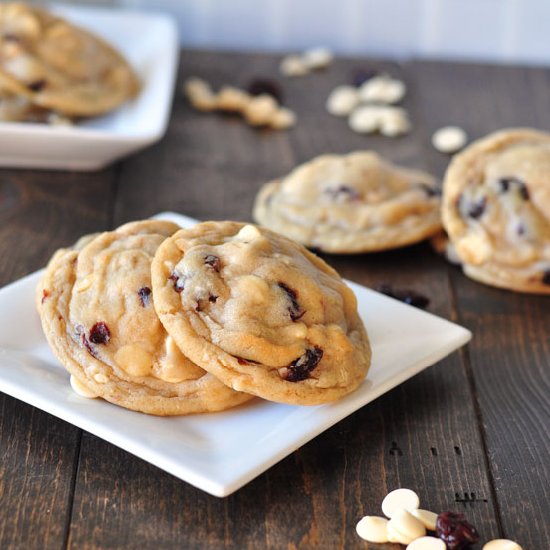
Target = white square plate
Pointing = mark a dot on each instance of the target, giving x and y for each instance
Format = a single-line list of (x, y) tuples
[(149, 41), (218, 452)]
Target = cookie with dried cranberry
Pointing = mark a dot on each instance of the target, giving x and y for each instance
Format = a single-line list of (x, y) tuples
[(97, 312), (496, 210), (58, 66), (261, 313), (351, 204)]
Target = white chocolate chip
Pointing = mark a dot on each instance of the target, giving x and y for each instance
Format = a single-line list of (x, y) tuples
[(342, 100), (232, 99), (293, 65), (82, 390), (394, 122), (502, 544), (449, 139), (284, 118), (200, 94), (101, 378), (249, 233), (395, 536), (427, 543), (365, 120), (317, 58), (382, 89), (56, 119), (260, 110), (400, 499), (373, 529), (405, 523), (173, 367), (427, 518)]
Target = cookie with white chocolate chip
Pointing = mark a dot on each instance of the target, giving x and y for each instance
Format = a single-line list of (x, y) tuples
[(261, 313), (97, 312), (496, 210), (58, 66), (351, 204)]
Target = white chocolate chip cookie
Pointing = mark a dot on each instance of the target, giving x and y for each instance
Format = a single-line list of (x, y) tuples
[(97, 312), (496, 210), (261, 313), (350, 204)]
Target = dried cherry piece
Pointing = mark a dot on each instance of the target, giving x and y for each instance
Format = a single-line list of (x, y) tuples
[(45, 295), (455, 531), (477, 208), (260, 86), (179, 282), (343, 191), (144, 294), (300, 368), (294, 309), (37, 85), (213, 262), (100, 333), (406, 295)]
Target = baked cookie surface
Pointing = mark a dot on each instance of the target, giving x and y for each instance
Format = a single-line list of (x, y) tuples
[(351, 204), (260, 312), (59, 66), (97, 312), (496, 209)]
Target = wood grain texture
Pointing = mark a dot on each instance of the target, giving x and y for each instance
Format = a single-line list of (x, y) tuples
[(509, 356), (39, 212), (422, 435)]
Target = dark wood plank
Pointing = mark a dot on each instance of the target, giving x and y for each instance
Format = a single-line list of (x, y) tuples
[(423, 434), (39, 212), (510, 353)]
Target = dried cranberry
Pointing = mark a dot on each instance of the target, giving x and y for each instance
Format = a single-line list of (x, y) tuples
[(430, 191), (260, 86), (546, 277), (406, 295), (144, 295), (343, 191), (506, 183), (476, 209), (241, 361), (37, 85), (360, 76), (301, 367), (100, 333), (453, 529), (212, 299), (213, 262), (294, 309), (45, 295), (179, 282)]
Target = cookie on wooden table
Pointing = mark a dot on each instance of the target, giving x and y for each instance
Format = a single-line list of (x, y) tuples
[(260, 312), (59, 66), (496, 209), (351, 203), (97, 312)]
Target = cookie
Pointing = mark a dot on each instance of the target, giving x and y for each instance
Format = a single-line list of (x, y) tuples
[(496, 209), (260, 312), (59, 66), (350, 204), (97, 312)]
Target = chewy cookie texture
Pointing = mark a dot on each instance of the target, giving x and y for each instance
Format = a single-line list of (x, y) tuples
[(260, 312), (96, 307), (48, 65), (496, 210), (351, 204)]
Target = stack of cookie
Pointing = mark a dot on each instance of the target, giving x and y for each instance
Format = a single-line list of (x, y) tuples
[(51, 69), (169, 321)]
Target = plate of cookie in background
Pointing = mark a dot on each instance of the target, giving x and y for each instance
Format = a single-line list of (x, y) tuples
[(81, 87), (228, 440)]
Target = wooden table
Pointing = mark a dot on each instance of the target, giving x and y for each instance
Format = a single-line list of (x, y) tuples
[(470, 434)]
